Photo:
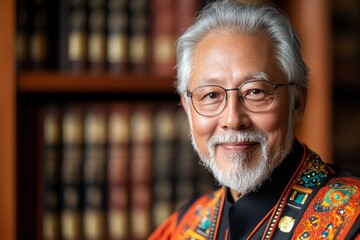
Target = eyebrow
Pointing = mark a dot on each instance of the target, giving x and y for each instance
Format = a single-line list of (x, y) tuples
[(260, 76), (257, 76), (254, 76)]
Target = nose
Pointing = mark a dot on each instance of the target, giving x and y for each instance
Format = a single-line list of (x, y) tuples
[(234, 116)]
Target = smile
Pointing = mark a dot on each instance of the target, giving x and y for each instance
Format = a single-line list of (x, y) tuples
[(238, 146)]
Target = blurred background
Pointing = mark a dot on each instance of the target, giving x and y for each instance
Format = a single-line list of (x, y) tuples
[(93, 144)]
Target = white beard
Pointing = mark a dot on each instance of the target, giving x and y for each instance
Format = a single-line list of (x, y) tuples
[(237, 175)]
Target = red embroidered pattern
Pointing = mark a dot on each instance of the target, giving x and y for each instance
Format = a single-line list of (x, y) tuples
[(332, 211), (200, 221)]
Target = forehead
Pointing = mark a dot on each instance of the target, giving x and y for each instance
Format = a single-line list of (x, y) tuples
[(228, 56)]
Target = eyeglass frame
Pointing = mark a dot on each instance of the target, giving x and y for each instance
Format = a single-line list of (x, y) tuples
[(275, 86)]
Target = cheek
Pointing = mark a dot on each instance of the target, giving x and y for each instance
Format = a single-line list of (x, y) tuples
[(203, 128), (275, 126)]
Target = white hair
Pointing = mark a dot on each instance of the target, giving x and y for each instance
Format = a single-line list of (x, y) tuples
[(237, 17)]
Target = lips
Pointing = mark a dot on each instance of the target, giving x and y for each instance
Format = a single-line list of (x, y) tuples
[(238, 146)]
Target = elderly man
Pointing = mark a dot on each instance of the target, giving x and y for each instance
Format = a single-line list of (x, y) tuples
[(243, 85)]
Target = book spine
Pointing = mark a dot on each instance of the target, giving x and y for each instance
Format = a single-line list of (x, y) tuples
[(52, 165), (163, 37), (141, 158), (71, 173), (346, 44), (118, 171), (118, 36), (163, 164), (77, 37), (94, 169), (186, 11), (139, 46), (185, 161), (39, 35), (97, 35), (22, 34)]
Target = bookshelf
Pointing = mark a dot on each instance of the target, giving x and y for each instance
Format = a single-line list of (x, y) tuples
[(23, 93), (62, 82), (46, 82)]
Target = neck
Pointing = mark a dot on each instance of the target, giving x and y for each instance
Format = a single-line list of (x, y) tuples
[(235, 195)]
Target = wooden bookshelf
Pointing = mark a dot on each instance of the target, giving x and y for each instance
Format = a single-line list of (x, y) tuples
[(13, 85), (46, 81)]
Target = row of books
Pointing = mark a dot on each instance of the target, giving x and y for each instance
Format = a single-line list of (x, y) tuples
[(346, 42), (101, 35), (116, 170)]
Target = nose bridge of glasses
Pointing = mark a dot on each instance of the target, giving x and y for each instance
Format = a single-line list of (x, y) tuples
[(238, 93), (235, 103)]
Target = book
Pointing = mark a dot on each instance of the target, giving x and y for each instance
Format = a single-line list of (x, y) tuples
[(346, 42), (22, 34), (118, 36), (72, 173), (139, 30), (185, 161), (51, 116), (163, 36), (95, 171), (163, 163), (39, 35), (97, 35), (118, 171), (186, 11), (141, 159), (76, 32)]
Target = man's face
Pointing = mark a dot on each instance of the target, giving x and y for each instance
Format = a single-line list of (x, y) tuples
[(228, 60)]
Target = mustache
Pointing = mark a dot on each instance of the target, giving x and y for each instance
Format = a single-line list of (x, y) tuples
[(237, 136)]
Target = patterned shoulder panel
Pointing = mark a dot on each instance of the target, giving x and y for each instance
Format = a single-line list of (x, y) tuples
[(200, 220), (332, 212)]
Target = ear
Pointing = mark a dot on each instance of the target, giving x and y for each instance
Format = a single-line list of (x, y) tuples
[(299, 108)]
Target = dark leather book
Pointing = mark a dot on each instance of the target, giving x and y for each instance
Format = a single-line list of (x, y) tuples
[(75, 35), (97, 35), (163, 163), (118, 175), (51, 122), (95, 171), (71, 173), (118, 36), (139, 43), (22, 34), (163, 36), (141, 175)]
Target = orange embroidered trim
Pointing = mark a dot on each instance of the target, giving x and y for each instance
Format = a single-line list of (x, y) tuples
[(201, 220), (332, 211)]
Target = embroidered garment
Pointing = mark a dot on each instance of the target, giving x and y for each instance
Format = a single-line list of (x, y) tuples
[(304, 199)]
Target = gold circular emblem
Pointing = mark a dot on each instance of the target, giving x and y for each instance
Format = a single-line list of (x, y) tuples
[(286, 223)]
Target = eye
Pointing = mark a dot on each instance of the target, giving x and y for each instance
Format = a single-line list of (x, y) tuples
[(254, 94), (209, 94), (213, 95)]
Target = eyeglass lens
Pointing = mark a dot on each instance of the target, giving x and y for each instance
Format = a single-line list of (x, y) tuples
[(255, 96)]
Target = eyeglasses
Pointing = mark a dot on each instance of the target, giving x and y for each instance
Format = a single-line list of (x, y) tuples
[(255, 96)]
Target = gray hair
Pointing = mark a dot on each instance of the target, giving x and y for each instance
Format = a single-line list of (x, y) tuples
[(231, 15)]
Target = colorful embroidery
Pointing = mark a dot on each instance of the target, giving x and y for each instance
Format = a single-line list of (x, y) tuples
[(200, 222), (314, 172), (332, 210)]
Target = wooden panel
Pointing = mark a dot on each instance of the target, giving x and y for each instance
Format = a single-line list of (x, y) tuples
[(312, 22), (7, 123)]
